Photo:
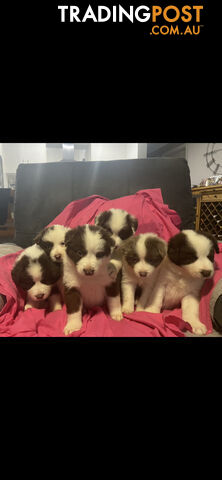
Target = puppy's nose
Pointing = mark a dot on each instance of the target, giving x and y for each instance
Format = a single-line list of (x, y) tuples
[(40, 296), (58, 256), (88, 271), (143, 274), (205, 273)]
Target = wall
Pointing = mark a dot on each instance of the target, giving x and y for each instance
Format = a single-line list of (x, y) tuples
[(113, 151), (142, 150), (197, 161), (193, 152), (54, 154), (15, 153)]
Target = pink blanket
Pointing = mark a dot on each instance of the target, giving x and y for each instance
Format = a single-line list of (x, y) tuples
[(153, 216)]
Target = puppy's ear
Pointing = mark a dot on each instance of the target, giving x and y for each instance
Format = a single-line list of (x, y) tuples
[(156, 250), (176, 245), (74, 240), (102, 218), (107, 237), (212, 238), (17, 272), (133, 222), (70, 236), (162, 247), (128, 245), (97, 219), (38, 237), (52, 270)]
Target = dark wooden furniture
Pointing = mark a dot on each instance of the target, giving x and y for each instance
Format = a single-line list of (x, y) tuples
[(209, 209)]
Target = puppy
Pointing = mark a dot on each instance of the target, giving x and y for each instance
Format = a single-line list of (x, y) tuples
[(141, 258), (85, 278), (38, 275), (52, 241), (189, 262), (121, 225)]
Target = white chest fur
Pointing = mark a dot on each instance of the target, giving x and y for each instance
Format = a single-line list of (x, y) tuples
[(177, 287), (92, 293), (92, 289)]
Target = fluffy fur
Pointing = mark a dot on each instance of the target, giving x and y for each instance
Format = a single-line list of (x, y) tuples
[(52, 241), (189, 262), (121, 225), (85, 279), (141, 256), (35, 273)]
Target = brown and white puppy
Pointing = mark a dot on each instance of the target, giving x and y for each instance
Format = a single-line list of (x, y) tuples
[(121, 225), (52, 241), (35, 273), (141, 258), (85, 278), (189, 262)]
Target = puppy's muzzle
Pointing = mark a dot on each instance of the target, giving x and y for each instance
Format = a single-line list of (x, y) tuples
[(143, 274), (89, 271), (58, 256), (205, 273), (39, 296)]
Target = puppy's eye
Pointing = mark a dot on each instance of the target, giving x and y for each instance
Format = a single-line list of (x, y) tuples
[(62, 243), (46, 245), (100, 254), (132, 259), (79, 253), (211, 257), (125, 233), (155, 260), (27, 283)]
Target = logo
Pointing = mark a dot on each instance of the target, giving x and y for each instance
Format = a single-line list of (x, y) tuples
[(169, 20)]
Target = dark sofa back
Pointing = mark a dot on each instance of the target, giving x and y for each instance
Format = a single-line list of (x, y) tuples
[(4, 204), (43, 190)]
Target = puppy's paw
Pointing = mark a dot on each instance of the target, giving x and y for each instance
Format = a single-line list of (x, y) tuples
[(127, 308), (152, 309), (72, 326), (27, 306), (56, 307), (55, 303), (140, 308), (116, 316), (112, 271), (198, 328)]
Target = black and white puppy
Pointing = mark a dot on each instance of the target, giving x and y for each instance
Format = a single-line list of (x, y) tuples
[(85, 278), (189, 262), (141, 258), (35, 273), (52, 241), (121, 225)]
